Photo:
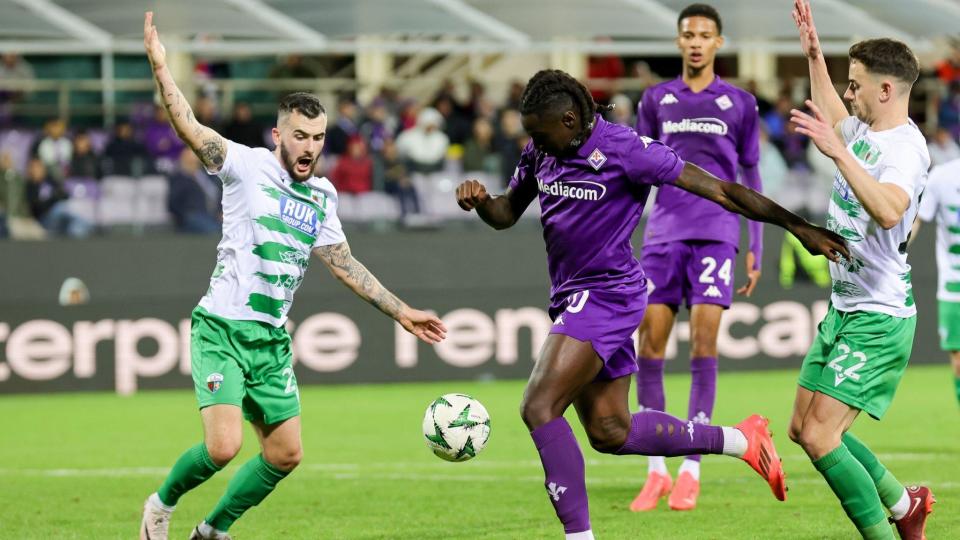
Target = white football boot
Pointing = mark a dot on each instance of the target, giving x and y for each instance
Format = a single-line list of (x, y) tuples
[(155, 522)]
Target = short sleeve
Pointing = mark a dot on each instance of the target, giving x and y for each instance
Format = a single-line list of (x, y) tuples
[(748, 147), (904, 169), (928, 200), (849, 127), (524, 176), (233, 164), (647, 116), (331, 230), (647, 161)]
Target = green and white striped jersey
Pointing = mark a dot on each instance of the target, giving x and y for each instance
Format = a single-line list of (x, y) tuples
[(270, 226), (941, 200), (877, 278)]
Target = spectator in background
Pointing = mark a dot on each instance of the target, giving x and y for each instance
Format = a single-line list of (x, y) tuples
[(641, 70), (763, 105), (424, 146), (343, 128), (456, 123), (622, 112), (205, 109), (479, 154), (293, 67), (942, 147), (85, 163), (193, 198), (510, 142), (55, 149), (13, 67), (948, 69), (407, 116), (773, 169), (47, 201), (603, 72), (378, 125), (948, 110), (514, 93), (161, 140), (124, 155), (15, 218), (353, 172), (397, 180), (242, 128)]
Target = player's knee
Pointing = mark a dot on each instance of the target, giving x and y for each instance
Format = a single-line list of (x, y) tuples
[(703, 347), (285, 459), (223, 451), (536, 412), (794, 431), (817, 440), (608, 435)]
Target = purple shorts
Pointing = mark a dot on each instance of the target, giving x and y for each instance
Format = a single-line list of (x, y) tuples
[(607, 319), (695, 271)]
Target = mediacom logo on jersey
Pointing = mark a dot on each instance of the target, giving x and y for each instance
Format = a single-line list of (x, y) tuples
[(710, 126), (572, 189)]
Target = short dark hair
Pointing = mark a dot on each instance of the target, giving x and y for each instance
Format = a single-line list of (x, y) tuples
[(885, 56), (549, 89), (304, 103), (701, 10)]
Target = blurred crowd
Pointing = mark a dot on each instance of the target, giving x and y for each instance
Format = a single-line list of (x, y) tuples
[(380, 146)]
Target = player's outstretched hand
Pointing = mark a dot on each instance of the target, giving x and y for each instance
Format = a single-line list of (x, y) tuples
[(470, 194), (820, 241), (753, 276), (803, 17), (819, 130), (156, 53), (426, 326)]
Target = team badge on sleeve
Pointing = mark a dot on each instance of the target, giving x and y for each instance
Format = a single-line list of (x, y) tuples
[(597, 159), (213, 382)]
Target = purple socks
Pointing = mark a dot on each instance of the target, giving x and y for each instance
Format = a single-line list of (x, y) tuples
[(564, 471), (703, 391), (653, 433), (650, 384)]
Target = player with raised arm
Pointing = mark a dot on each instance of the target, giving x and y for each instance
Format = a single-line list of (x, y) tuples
[(593, 178), (941, 202), (864, 342), (714, 125), (275, 214)]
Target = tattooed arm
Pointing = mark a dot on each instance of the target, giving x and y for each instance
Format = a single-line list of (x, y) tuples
[(206, 143), (356, 277)]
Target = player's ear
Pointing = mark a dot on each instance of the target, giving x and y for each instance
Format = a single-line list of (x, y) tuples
[(570, 120), (720, 41), (275, 133), (887, 90)]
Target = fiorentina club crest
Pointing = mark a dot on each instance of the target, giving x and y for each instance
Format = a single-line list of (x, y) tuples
[(213, 382), (597, 159), (724, 102)]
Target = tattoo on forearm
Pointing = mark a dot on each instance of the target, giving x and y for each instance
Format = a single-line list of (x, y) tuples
[(339, 258), (209, 147)]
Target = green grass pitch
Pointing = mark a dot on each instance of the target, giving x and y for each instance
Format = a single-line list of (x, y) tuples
[(79, 466)]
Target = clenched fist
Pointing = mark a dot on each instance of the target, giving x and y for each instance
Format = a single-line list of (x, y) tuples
[(471, 194)]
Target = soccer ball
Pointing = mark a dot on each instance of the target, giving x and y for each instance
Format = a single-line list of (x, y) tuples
[(456, 427)]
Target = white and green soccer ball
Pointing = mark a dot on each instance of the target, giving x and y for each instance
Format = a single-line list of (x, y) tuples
[(456, 427)]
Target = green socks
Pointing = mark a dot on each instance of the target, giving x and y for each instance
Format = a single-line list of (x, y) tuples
[(956, 387), (854, 487), (888, 487), (252, 483), (192, 469)]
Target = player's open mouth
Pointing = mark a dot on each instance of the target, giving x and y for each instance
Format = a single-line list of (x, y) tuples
[(696, 57), (304, 164)]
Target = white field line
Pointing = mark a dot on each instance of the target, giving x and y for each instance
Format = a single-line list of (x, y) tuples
[(430, 469)]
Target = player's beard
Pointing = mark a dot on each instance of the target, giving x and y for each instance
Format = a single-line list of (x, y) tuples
[(290, 163)]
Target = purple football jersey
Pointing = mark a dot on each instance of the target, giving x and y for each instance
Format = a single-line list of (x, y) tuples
[(590, 204), (716, 129)]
